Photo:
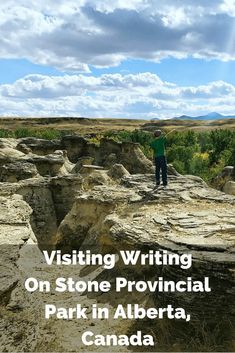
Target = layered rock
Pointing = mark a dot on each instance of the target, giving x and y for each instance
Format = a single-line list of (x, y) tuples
[(107, 153), (16, 165), (188, 217), (224, 181), (229, 187), (104, 205), (19, 170), (50, 198), (19, 314), (38, 146)]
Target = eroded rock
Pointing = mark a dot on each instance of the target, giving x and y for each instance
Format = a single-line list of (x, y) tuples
[(117, 171), (19, 170), (107, 153), (229, 188), (107, 209), (19, 314), (38, 146)]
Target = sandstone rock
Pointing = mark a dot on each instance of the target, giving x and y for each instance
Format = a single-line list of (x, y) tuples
[(75, 146), (117, 171), (89, 168), (227, 174), (134, 160), (202, 223), (171, 170), (24, 148), (39, 146), (64, 190), (7, 153), (106, 211), (109, 151), (86, 160), (51, 199), (13, 172), (227, 171), (111, 160), (96, 177), (67, 166), (19, 315), (48, 165), (8, 143), (197, 179), (229, 187)]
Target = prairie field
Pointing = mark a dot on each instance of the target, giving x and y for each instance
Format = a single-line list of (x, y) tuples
[(86, 125)]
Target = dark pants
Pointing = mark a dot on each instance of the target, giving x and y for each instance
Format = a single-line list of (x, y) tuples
[(161, 166)]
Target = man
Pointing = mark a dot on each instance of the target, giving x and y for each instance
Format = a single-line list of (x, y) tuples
[(158, 146)]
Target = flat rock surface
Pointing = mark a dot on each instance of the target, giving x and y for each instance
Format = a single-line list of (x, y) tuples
[(106, 214)]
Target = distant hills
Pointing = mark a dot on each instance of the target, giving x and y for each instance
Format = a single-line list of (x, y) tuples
[(210, 116)]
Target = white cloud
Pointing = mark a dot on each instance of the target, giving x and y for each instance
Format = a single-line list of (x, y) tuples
[(142, 95), (71, 35)]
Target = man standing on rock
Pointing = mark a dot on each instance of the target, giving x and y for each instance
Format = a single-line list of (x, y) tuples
[(158, 146)]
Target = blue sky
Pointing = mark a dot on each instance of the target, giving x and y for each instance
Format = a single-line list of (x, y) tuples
[(132, 59)]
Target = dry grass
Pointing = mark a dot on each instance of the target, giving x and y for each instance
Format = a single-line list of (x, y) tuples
[(86, 126), (77, 125)]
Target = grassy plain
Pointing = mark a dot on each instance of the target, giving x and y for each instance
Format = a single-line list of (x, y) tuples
[(98, 126)]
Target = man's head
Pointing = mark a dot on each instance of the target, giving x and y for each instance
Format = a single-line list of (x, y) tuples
[(157, 133)]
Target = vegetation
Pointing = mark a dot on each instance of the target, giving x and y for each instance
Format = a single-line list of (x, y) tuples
[(48, 134), (199, 153), (203, 153)]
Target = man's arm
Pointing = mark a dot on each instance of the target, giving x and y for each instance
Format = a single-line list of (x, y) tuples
[(170, 132)]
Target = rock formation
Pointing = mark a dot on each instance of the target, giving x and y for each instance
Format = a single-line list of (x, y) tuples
[(57, 200), (225, 181), (229, 187)]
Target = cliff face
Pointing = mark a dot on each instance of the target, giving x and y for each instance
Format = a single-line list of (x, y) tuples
[(110, 210)]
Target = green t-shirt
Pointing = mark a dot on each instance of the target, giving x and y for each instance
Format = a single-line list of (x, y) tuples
[(158, 145)]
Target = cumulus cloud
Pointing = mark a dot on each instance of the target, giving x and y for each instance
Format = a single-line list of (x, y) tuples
[(72, 35), (142, 95)]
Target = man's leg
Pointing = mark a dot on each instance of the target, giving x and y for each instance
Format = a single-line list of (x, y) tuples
[(164, 170), (157, 170)]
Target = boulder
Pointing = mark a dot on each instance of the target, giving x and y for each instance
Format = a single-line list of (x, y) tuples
[(227, 174), (95, 177), (229, 188), (117, 171)]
